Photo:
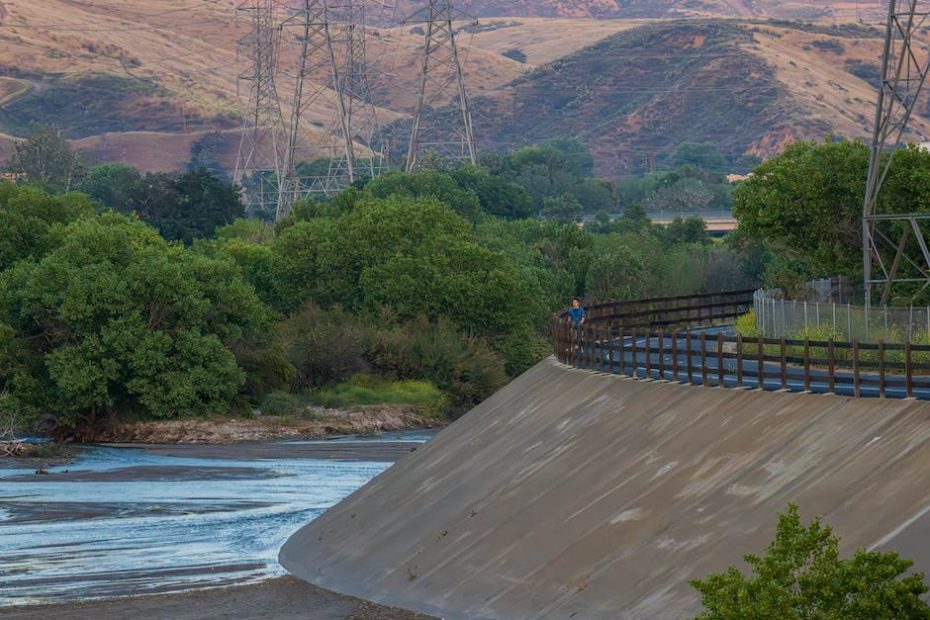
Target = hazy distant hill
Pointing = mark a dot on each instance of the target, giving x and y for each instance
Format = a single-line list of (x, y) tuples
[(147, 81), (842, 10), (748, 87)]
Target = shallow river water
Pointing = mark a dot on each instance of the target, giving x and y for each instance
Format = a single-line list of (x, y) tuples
[(120, 521)]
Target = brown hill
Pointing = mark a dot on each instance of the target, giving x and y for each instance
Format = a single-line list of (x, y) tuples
[(748, 87), (145, 81), (831, 10)]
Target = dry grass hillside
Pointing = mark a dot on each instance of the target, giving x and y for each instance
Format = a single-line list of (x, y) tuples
[(145, 81), (747, 86), (120, 76), (836, 10)]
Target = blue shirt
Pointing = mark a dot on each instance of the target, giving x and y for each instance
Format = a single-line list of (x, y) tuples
[(576, 315)]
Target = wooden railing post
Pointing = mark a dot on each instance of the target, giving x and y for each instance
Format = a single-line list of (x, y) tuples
[(622, 350), (761, 362), (807, 365), (703, 359), (690, 360), (675, 355), (739, 360), (855, 361), (881, 369), (909, 369), (832, 370), (610, 347), (721, 369), (784, 364), (661, 354), (635, 369), (648, 349)]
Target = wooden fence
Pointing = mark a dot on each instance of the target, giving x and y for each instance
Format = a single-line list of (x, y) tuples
[(640, 339)]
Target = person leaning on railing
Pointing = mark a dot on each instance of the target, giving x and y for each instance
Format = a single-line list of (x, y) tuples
[(576, 312), (576, 315)]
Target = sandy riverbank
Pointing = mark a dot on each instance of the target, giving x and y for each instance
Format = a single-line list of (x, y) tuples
[(285, 598), (316, 423)]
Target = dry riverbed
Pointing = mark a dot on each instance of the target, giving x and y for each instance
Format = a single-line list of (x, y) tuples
[(285, 598)]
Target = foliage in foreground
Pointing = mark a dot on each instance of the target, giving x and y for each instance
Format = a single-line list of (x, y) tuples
[(802, 576)]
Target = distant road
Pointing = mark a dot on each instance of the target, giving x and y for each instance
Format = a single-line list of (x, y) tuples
[(716, 222)]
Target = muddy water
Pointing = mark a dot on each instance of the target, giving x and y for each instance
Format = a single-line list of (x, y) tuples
[(121, 521)]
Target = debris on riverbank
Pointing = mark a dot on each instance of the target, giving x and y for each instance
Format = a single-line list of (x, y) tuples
[(315, 423)]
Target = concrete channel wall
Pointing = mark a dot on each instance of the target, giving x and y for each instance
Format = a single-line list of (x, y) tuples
[(572, 494)]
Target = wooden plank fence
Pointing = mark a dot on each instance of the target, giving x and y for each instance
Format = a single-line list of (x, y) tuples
[(640, 341)]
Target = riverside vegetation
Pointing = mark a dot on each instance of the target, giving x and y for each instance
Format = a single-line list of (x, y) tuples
[(150, 297)]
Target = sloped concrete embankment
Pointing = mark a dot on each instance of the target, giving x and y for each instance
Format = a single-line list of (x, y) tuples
[(571, 494)]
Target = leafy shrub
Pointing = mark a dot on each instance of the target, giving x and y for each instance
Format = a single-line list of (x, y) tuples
[(363, 390), (278, 403), (801, 575), (463, 367), (746, 325), (324, 346)]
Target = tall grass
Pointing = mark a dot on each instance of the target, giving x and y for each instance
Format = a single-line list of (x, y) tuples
[(363, 390)]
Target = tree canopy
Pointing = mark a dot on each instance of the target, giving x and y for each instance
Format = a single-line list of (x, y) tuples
[(113, 318)]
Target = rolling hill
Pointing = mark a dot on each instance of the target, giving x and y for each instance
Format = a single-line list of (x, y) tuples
[(835, 10), (747, 86), (147, 81)]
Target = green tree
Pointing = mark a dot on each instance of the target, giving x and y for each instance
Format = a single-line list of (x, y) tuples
[(112, 185), (183, 208), (564, 209), (27, 214), (681, 195), (427, 184), (701, 154), (616, 275), (48, 161), (116, 320), (808, 202), (687, 230), (802, 576), (498, 195)]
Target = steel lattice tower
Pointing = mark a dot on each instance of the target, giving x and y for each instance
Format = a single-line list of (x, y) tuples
[(441, 71), (890, 255), (332, 69), (355, 89), (261, 148), (316, 81)]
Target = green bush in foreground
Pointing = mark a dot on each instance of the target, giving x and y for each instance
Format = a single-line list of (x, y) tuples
[(801, 576), (362, 390)]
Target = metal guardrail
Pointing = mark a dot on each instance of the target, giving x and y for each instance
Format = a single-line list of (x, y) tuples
[(654, 339)]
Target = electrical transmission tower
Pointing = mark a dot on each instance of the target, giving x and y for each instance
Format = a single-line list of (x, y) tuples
[(261, 148), (441, 72), (355, 90), (894, 244), (332, 73)]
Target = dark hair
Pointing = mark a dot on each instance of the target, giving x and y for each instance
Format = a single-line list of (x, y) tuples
[(578, 299)]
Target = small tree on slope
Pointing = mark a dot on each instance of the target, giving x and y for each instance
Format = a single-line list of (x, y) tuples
[(801, 576)]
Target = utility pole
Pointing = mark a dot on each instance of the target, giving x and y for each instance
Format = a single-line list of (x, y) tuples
[(889, 256), (259, 162), (441, 72)]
